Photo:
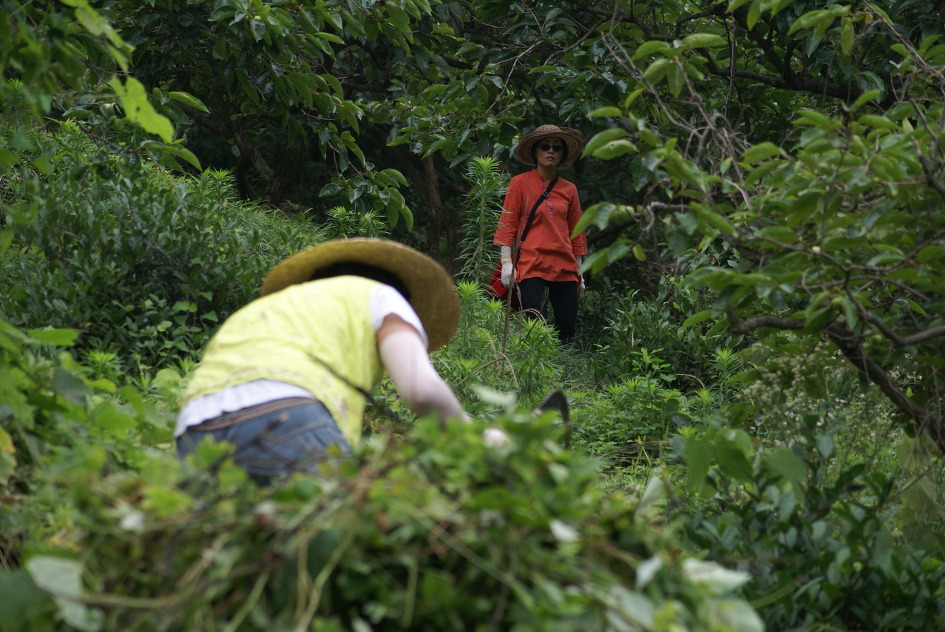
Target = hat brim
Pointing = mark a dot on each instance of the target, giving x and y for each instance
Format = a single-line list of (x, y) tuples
[(432, 293), (571, 137)]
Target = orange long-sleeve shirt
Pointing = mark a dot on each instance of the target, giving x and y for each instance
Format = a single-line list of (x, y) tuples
[(548, 252)]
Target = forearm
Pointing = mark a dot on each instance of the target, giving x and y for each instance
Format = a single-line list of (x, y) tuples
[(505, 253), (417, 382)]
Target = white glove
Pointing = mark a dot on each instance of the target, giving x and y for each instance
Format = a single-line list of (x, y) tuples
[(495, 437), (581, 288), (508, 273)]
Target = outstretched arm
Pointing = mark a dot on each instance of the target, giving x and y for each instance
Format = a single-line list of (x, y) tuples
[(408, 364)]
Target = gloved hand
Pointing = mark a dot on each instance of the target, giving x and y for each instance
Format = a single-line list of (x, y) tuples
[(508, 273), (495, 437), (581, 288)]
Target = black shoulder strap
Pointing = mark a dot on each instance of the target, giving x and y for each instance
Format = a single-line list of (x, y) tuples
[(531, 215)]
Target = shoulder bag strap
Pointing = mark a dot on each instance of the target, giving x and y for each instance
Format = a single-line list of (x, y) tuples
[(531, 216)]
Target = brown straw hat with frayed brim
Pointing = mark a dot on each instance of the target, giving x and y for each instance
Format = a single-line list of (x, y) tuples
[(432, 294), (571, 137)]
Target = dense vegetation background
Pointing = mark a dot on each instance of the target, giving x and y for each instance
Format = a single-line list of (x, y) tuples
[(756, 405)]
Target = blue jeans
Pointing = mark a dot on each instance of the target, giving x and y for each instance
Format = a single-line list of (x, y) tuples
[(288, 440)]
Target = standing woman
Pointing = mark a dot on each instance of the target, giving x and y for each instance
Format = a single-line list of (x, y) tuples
[(548, 259)]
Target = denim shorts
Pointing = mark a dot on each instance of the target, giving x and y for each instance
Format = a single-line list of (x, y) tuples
[(276, 443)]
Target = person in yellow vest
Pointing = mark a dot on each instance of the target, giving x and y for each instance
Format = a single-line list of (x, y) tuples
[(288, 376)]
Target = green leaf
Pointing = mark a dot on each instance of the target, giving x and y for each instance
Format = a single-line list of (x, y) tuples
[(396, 175), (657, 70), (56, 337), (863, 99), (602, 138), (809, 19), (761, 151), (174, 149), (63, 579), (934, 252), (332, 188), (614, 149), (847, 35), (698, 454), (134, 101), (606, 112), (697, 318), (879, 122), (717, 221), (21, 601), (754, 13), (759, 172), (675, 78), (885, 258), (780, 234), (732, 461), (649, 48), (7, 157), (189, 100), (816, 119), (784, 463), (703, 40), (926, 43)]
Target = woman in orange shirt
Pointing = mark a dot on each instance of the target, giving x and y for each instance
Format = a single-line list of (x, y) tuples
[(548, 259)]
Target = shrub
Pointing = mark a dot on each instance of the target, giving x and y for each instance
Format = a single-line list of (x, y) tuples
[(143, 263), (688, 354), (817, 531), (483, 206), (436, 531), (500, 351)]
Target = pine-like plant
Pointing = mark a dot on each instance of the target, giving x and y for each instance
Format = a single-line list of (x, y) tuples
[(483, 205)]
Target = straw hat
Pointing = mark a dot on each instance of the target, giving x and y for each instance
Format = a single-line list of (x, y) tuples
[(432, 294), (571, 137)]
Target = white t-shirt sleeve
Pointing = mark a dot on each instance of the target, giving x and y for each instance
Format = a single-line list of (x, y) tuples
[(386, 300)]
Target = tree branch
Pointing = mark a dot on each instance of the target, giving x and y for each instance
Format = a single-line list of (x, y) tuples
[(851, 347)]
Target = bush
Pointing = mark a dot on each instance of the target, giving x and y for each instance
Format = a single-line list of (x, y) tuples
[(815, 529), (501, 352), (143, 263), (630, 324), (434, 532)]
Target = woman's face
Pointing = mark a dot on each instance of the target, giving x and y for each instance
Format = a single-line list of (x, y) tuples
[(549, 152)]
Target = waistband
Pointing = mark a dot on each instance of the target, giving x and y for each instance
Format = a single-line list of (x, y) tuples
[(245, 414)]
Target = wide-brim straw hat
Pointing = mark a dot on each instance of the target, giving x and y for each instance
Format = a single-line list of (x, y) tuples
[(432, 294), (573, 139)]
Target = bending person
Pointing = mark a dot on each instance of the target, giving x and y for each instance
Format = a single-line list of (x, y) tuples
[(288, 376)]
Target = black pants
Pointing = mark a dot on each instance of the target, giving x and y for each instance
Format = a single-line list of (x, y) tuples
[(563, 296)]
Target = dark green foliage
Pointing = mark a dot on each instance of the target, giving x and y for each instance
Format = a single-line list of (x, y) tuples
[(437, 531), (482, 207), (637, 330), (803, 202), (499, 350), (140, 262), (817, 532)]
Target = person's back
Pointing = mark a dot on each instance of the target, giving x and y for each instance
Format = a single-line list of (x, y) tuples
[(287, 377), (317, 335)]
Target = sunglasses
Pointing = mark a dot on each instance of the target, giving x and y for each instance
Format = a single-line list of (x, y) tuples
[(554, 148)]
